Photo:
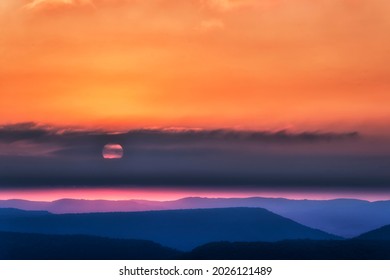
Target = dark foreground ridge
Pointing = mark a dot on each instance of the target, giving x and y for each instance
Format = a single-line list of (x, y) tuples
[(30, 246), (27, 246), (294, 250), (382, 233)]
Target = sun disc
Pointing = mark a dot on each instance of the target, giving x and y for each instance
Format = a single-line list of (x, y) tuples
[(112, 151)]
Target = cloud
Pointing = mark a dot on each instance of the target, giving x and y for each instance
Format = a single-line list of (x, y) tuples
[(32, 154), (222, 5), (39, 4), (32, 139), (42, 133)]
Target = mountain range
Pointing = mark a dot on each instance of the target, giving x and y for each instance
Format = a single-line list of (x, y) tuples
[(178, 229), (342, 217), (32, 246)]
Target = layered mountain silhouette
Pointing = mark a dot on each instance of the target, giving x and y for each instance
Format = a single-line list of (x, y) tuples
[(343, 217), (32, 246), (222, 233), (178, 229)]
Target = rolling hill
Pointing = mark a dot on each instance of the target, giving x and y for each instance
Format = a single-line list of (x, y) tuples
[(382, 233), (30, 246), (179, 229), (343, 217), (293, 250)]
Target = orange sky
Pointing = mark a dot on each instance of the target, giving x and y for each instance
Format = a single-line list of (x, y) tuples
[(264, 64)]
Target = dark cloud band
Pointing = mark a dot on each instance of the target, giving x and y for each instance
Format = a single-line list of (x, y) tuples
[(186, 158), (39, 133)]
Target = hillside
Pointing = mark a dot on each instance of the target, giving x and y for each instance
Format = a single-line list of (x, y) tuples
[(29, 246), (180, 229)]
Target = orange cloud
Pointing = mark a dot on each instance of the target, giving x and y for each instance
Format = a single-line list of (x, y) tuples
[(41, 3)]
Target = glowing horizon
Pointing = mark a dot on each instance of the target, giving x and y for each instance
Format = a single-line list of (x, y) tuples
[(167, 194)]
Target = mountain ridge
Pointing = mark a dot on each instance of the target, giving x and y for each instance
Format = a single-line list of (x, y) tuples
[(344, 217), (179, 229), (382, 233)]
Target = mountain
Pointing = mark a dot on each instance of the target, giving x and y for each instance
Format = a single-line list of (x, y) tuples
[(30, 246), (64, 206), (382, 233), (343, 217), (11, 212), (179, 229), (293, 250)]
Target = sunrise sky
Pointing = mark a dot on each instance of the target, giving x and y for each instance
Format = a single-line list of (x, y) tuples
[(253, 64), (200, 92)]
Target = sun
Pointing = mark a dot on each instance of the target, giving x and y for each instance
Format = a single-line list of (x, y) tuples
[(112, 151)]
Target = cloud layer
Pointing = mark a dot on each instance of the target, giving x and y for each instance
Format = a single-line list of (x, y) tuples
[(38, 155), (67, 137), (36, 4)]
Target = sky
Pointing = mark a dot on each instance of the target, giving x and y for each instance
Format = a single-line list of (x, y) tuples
[(200, 92), (253, 64)]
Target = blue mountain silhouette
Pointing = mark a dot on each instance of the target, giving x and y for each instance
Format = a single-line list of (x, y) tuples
[(179, 229)]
